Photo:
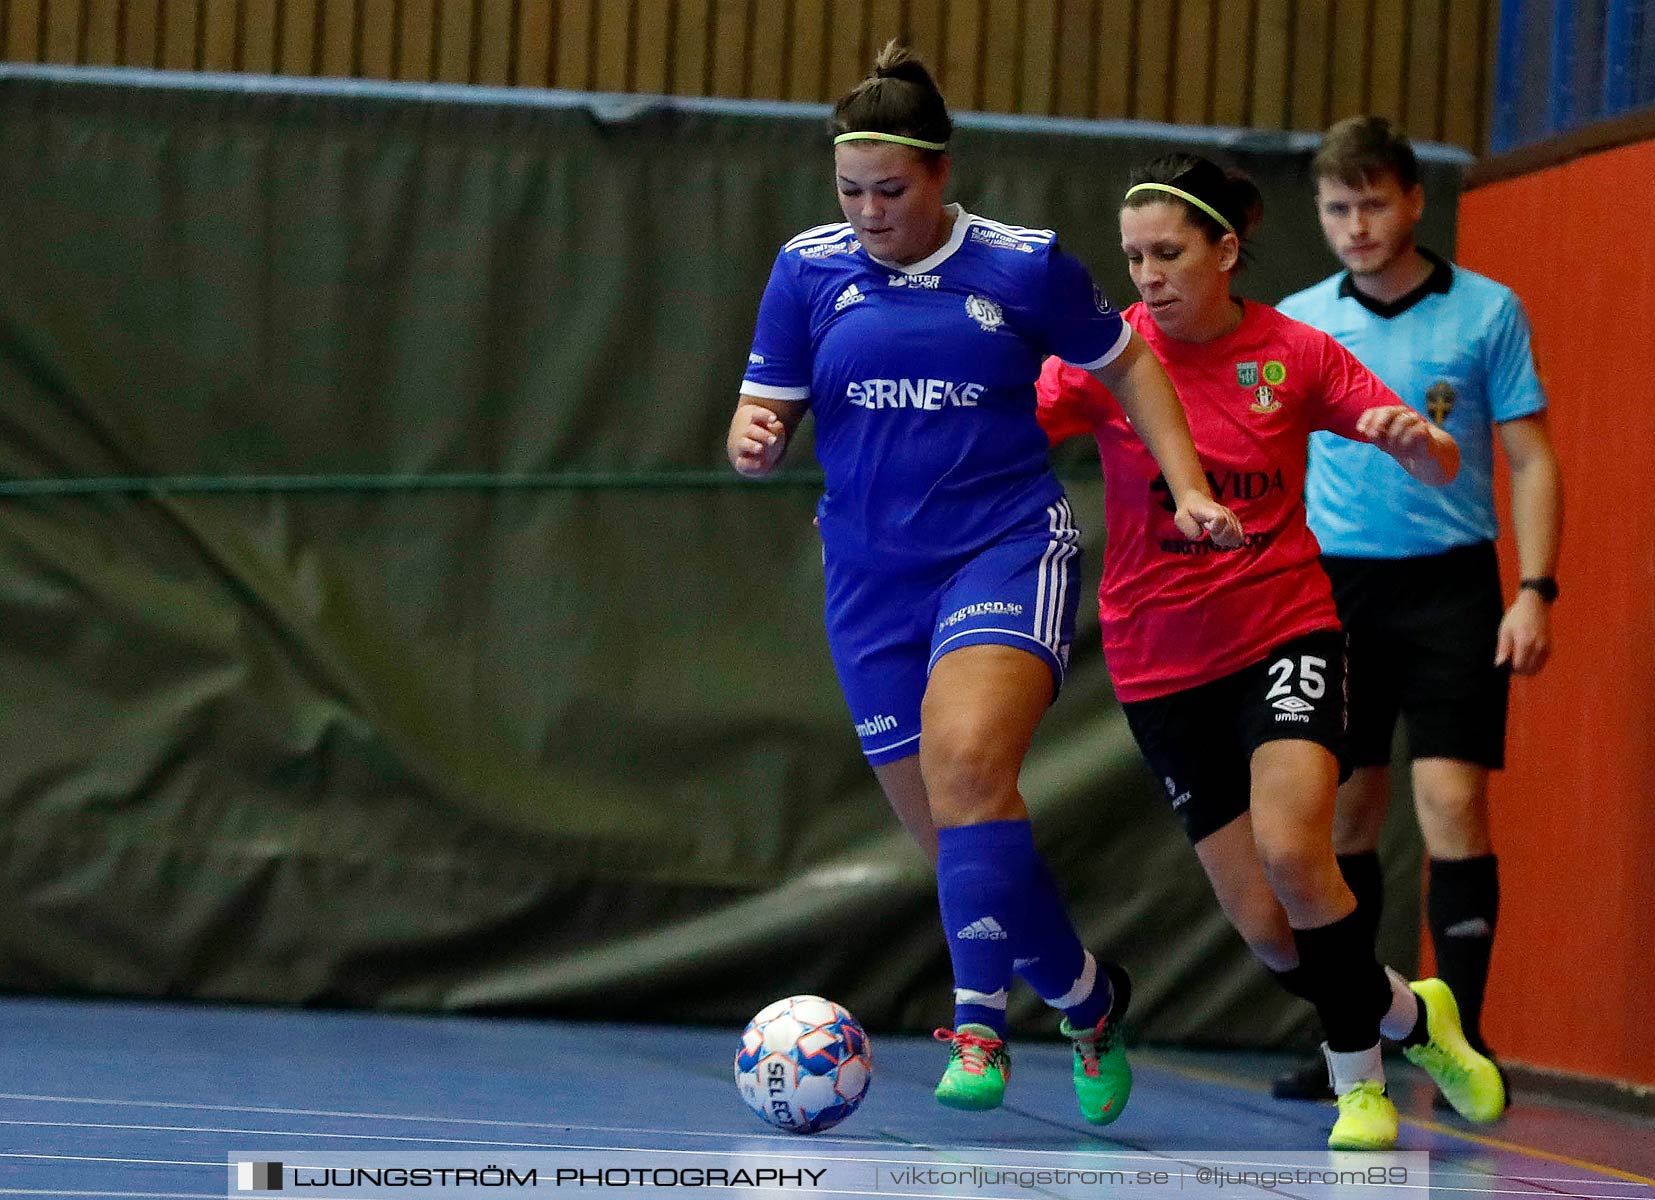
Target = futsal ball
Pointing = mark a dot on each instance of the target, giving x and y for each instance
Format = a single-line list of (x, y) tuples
[(804, 1064)]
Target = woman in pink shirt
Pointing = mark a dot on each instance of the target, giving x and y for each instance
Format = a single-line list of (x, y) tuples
[(1229, 664)]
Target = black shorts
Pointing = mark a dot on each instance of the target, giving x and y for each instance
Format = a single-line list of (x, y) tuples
[(1423, 632), (1200, 741)]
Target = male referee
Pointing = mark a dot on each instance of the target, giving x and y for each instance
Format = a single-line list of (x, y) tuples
[(1413, 567)]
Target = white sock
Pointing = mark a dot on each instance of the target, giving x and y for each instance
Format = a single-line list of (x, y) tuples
[(1347, 1069), (1398, 1021)]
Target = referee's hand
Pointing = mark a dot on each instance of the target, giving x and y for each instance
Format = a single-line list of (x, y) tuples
[(1525, 639), (757, 439)]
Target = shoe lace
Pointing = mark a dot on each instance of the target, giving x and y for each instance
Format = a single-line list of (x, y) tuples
[(1364, 1095), (973, 1051), (1092, 1044)]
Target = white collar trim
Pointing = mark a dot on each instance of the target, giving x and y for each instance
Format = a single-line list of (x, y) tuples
[(956, 239)]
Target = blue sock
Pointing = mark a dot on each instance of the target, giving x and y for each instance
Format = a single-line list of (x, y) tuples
[(984, 879), (1050, 957)]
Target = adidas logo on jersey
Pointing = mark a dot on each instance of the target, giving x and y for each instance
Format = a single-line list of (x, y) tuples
[(983, 929), (851, 295)]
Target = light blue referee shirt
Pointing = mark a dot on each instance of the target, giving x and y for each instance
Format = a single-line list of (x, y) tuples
[(1455, 349)]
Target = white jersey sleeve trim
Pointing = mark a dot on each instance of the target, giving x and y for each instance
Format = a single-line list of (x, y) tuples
[(827, 233), (765, 391), (1114, 351), (1022, 233)]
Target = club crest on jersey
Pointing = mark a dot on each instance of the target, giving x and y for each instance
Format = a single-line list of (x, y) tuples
[(985, 312), (1439, 401), (1247, 374), (1264, 399)]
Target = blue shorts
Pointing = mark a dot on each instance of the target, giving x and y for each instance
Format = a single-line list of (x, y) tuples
[(886, 631)]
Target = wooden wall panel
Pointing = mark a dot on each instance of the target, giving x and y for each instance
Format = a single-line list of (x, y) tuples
[(1312, 64), (1463, 83), (1388, 49), (1191, 68), (1076, 54), (24, 22), (767, 64), (731, 40), (1422, 97), (807, 51), (337, 32), (1268, 64), (1115, 63), (1153, 82), (61, 37), (532, 66), (963, 69), (299, 43), (612, 54), (1271, 78), (687, 72), (1037, 91), (1348, 54), (1235, 62), (572, 44), (924, 29), (415, 24)]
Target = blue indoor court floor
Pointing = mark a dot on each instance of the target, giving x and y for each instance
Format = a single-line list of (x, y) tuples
[(110, 1099)]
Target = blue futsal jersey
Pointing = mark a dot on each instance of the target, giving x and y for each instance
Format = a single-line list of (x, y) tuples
[(1458, 353), (921, 378)]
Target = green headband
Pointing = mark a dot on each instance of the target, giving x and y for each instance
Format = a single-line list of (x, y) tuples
[(1182, 195), (866, 136)]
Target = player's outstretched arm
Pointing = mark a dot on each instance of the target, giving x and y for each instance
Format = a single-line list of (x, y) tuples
[(1429, 454), (1136, 378), (759, 433)]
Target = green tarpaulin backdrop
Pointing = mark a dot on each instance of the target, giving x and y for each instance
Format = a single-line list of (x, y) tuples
[(379, 624)]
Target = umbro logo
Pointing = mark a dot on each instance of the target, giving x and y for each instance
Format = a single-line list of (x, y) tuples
[(851, 295), (1293, 704), (983, 929)]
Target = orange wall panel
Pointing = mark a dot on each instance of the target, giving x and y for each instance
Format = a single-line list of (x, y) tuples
[(1574, 812)]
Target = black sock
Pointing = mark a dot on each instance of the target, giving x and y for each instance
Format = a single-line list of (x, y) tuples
[(1367, 883), (1345, 982), (1120, 987), (1421, 1032), (1462, 905), (1293, 982)]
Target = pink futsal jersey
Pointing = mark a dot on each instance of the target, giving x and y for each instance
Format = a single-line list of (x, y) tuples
[(1178, 613)]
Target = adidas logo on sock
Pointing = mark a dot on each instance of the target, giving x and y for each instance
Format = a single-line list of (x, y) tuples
[(985, 929)]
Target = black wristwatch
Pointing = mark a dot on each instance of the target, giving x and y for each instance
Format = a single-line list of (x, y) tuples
[(1543, 586)]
